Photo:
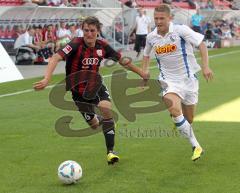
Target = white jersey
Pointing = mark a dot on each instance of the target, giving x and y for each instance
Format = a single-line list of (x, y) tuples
[(174, 51), (62, 32), (142, 25), (23, 40)]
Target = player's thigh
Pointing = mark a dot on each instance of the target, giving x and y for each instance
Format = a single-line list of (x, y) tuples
[(105, 107), (188, 112), (173, 103)]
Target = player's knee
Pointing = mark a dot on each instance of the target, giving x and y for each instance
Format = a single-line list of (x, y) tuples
[(105, 108)]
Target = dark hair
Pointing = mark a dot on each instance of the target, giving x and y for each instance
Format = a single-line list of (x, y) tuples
[(163, 8), (91, 20), (29, 27)]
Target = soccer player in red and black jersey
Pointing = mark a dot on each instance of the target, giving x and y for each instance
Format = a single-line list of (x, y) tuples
[(83, 56)]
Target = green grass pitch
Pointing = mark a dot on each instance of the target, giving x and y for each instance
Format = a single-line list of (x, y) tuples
[(31, 150)]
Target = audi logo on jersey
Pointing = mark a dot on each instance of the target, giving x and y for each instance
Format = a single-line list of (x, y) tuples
[(89, 62), (165, 49)]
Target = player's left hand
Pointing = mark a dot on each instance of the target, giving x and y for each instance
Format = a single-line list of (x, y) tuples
[(207, 73)]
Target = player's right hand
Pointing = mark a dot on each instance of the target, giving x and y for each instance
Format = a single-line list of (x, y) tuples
[(207, 73), (143, 83), (40, 85), (145, 75)]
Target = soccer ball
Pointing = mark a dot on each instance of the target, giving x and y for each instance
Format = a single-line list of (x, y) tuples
[(69, 172)]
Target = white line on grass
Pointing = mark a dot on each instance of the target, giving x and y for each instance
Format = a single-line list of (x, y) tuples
[(108, 75)]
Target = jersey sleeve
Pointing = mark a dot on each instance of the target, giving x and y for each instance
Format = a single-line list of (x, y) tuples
[(191, 36), (68, 49), (148, 48), (110, 53)]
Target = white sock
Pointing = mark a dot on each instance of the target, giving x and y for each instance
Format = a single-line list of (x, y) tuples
[(185, 129)]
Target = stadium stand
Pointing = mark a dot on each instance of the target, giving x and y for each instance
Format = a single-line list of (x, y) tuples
[(185, 4), (11, 2), (116, 24)]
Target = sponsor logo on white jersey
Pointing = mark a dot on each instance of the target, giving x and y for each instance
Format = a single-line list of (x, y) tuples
[(165, 49)]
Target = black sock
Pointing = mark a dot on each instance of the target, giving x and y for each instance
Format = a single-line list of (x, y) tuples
[(109, 133)]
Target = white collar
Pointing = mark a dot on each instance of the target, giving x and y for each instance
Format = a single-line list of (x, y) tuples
[(170, 30)]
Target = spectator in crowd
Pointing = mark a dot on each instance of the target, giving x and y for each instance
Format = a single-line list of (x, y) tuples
[(86, 3), (79, 30), (101, 35), (217, 29), (73, 3), (134, 4), (142, 27), (39, 2), (26, 40), (16, 31), (209, 35), (56, 28), (167, 2), (118, 30), (50, 38), (29, 3), (2, 32), (226, 32), (72, 31), (237, 32), (65, 3), (38, 36), (201, 4), (63, 36), (235, 5), (196, 21), (22, 29), (210, 4), (46, 49), (129, 4), (192, 4), (8, 32), (53, 2)]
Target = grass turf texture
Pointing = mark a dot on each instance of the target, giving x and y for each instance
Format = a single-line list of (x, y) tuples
[(31, 150)]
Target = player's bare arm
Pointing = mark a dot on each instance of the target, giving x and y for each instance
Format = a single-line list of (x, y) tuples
[(126, 63), (48, 74), (145, 68), (206, 70)]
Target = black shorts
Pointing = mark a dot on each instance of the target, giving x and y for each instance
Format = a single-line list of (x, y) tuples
[(140, 42), (86, 107)]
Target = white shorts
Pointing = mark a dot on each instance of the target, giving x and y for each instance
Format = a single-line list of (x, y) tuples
[(186, 89)]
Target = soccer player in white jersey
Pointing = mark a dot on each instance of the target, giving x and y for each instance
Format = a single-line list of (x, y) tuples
[(173, 47)]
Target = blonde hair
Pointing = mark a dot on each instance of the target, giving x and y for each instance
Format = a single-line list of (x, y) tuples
[(163, 8)]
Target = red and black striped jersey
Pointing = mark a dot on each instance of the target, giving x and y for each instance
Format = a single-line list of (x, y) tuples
[(83, 61)]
